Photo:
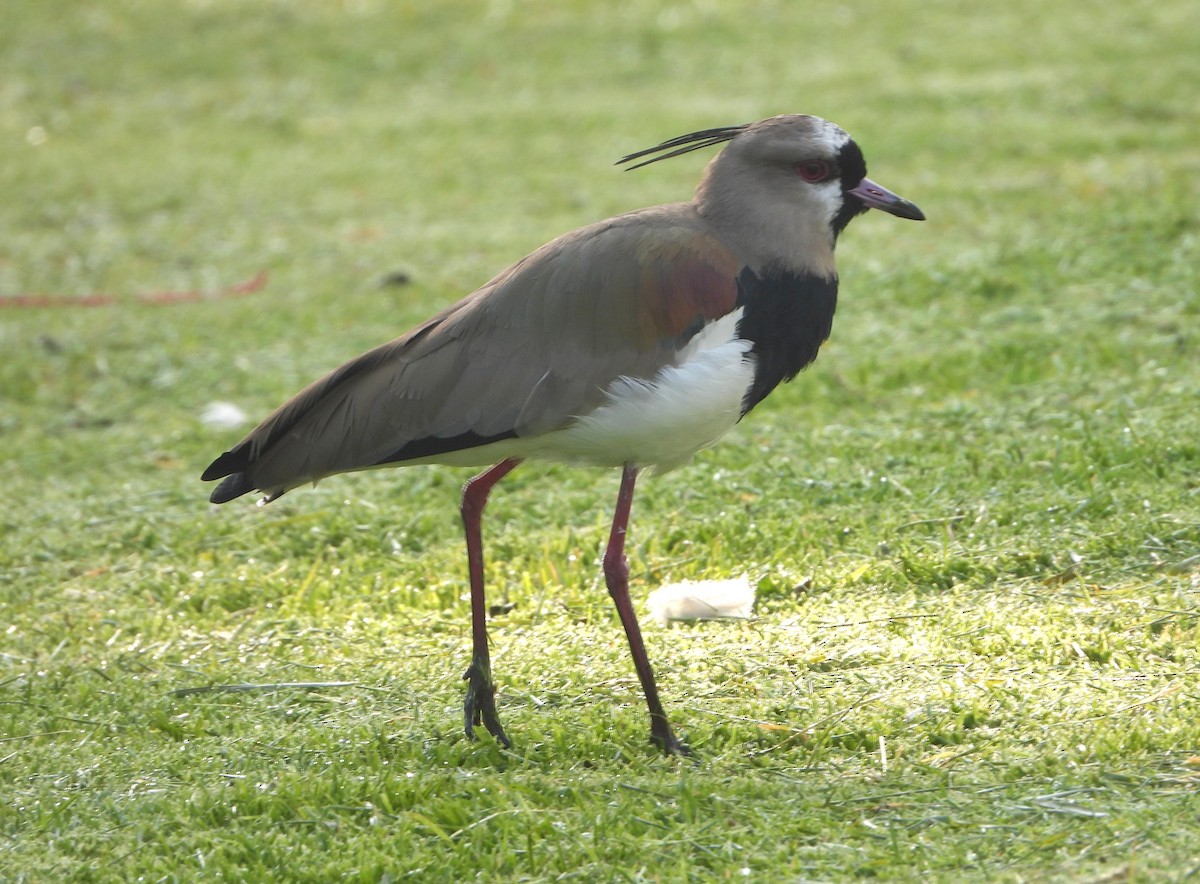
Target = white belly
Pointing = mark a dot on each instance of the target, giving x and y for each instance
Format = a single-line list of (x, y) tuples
[(658, 423), (662, 422)]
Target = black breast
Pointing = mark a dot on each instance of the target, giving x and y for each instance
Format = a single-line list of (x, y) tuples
[(787, 316)]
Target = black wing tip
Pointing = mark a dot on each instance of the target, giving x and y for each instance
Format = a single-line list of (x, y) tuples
[(683, 144), (233, 487), (230, 466), (230, 462)]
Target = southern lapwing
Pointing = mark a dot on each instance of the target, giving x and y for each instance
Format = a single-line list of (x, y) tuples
[(631, 343)]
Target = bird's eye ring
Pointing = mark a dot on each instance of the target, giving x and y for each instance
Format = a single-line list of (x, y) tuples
[(813, 170)]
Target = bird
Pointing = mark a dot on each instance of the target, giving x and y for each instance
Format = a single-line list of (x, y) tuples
[(632, 344)]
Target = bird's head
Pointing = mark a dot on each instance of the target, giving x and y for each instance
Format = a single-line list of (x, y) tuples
[(784, 188)]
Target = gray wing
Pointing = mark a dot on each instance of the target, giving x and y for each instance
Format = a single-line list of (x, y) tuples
[(525, 354)]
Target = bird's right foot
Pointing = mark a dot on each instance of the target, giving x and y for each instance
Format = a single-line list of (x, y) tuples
[(480, 704)]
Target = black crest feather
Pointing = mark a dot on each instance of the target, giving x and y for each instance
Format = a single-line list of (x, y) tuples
[(683, 144)]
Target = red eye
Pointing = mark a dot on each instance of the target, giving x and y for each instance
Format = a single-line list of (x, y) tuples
[(813, 170)]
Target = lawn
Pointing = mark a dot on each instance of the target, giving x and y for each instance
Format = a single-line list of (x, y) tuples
[(973, 524)]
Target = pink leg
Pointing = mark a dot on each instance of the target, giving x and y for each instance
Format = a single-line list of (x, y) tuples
[(616, 575), (480, 706)]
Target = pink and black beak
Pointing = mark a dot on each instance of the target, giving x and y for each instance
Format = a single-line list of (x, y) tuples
[(875, 196)]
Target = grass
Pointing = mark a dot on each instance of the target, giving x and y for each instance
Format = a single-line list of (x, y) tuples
[(974, 524)]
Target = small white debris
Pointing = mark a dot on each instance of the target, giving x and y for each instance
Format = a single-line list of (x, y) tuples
[(223, 416), (703, 600)]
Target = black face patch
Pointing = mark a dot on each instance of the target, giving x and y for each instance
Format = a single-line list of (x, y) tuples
[(852, 164), (854, 170), (786, 316)]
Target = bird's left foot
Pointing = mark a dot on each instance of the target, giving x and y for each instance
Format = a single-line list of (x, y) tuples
[(664, 738), (480, 705)]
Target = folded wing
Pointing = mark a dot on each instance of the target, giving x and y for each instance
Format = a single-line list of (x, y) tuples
[(526, 354)]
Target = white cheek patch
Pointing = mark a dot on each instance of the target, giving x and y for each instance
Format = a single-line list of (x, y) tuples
[(831, 137), (829, 198)]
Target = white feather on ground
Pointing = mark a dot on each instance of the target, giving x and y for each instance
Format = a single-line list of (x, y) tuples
[(703, 600), (223, 416)]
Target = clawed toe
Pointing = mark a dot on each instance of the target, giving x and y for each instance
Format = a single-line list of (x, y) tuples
[(664, 738), (480, 705)]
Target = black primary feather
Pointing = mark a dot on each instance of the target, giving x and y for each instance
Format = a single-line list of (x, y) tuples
[(684, 144)]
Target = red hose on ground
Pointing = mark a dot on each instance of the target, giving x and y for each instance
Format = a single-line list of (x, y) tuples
[(254, 284)]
